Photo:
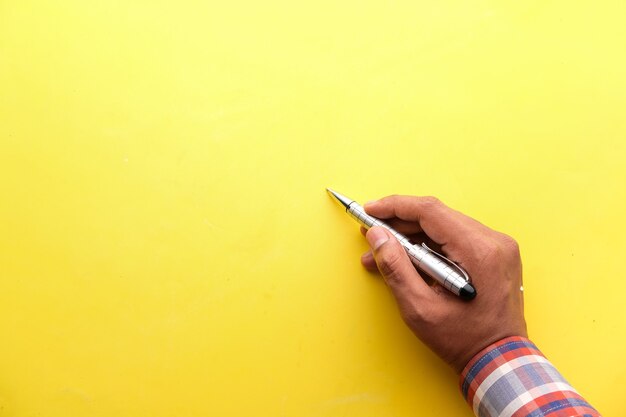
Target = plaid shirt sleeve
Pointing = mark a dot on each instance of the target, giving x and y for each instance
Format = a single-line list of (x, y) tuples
[(512, 378)]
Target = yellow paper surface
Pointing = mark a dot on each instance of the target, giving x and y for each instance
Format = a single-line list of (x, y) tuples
[(166, 244)]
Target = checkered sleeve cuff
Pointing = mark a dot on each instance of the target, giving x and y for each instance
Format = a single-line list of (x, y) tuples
[(512, 378)]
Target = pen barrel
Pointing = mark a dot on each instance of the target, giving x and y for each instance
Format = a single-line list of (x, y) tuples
[(422, 258), (437, 269)]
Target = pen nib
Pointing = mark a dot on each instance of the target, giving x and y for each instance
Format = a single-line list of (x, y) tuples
[(341, 199)]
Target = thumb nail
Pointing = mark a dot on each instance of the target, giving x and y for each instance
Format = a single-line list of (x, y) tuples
[(376, 236)]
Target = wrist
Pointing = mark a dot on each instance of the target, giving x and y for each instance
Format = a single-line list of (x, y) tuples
[(488, 343)]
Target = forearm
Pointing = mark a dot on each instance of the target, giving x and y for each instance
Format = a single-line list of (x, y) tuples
[(512, 378)]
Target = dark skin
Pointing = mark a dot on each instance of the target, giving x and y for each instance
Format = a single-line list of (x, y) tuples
[(454, 329)]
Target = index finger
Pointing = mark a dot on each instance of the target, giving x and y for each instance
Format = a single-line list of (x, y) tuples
[(442, 224)]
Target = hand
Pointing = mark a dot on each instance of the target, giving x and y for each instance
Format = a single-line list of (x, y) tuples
[(454, 329)]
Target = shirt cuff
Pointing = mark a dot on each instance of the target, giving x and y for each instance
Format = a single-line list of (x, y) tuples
[(512, 378)]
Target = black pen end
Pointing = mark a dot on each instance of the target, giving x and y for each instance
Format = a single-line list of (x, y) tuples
[(468, 292)]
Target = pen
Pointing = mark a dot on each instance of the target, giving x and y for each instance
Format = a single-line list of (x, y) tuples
[(451, 276)]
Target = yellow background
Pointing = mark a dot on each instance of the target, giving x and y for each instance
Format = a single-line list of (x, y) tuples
[(166, 244)]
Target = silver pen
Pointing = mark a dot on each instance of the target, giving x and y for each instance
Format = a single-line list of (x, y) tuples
[(441, 269)]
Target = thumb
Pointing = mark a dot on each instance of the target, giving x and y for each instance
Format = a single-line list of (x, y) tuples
[(395, 266)]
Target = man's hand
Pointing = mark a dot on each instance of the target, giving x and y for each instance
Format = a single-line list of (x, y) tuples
[(454, 329)]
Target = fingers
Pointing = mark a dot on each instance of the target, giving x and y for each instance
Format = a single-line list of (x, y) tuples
[(416, 238), (403, 226), (441, 223), (408, 230), (393, 263), (368, 261)]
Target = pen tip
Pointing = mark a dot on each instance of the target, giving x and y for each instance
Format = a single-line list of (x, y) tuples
[(342, 199)]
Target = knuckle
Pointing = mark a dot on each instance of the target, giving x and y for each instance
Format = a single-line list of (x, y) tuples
[(509, 244), (391, 198), (499, 247), (430, 201)]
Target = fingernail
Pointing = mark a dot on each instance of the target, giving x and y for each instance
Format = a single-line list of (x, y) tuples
[(370, 203), (376, 236)]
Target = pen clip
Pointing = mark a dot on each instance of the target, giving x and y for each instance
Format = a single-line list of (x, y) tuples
[(461, 270)]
